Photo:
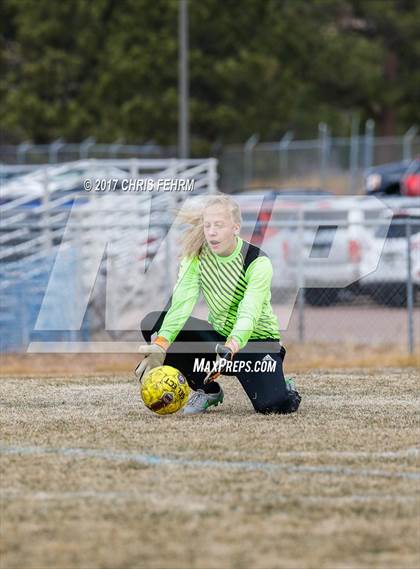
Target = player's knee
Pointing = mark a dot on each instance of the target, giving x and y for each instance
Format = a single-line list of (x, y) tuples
[(290, 404)]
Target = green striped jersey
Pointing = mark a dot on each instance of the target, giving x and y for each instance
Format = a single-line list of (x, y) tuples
[(236, 289)]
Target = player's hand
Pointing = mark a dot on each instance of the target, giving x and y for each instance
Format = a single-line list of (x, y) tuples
[(154, 356), (223, 353)]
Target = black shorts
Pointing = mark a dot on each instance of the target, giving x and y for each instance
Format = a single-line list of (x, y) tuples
[(258, 366)]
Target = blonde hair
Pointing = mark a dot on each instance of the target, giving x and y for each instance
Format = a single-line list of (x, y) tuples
[(192, 238)]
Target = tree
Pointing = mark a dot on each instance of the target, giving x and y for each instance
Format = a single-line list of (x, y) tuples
[(108, 68)]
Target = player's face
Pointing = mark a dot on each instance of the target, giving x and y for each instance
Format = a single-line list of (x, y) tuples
[(220, 230)]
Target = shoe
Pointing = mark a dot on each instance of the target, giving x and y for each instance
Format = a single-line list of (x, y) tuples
[(290, 384), (200, 401), (294, 396)]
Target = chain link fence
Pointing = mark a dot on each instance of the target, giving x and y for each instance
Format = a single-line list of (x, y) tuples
[(345, 269), (330, 163), (345, 276), (58, 151), (327, 162)]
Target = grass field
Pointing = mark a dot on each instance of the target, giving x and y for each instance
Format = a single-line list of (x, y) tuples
[(90, 479)]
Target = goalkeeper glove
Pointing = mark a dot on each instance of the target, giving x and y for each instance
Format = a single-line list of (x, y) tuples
[(224, 354), (154, 356)]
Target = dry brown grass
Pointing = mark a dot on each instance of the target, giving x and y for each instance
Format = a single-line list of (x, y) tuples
[(348, 356), (299, 358), (66, 511), (51, 364)]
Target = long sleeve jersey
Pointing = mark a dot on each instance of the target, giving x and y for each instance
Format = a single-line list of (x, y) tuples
[(236, 289)]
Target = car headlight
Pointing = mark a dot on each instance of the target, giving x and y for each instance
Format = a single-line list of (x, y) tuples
[(373, 182)]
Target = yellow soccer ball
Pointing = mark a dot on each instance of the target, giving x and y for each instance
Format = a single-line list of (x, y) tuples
[(164, 390)]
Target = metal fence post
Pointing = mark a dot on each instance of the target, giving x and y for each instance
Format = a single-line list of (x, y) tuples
[(354, 153), (301, 280), (410, 307), (85, 146), (21, 152), (408, 138), (212, 174), (248, 165), (134, 168), (368, 146), (54, 149), (283, 153), (323, 136)]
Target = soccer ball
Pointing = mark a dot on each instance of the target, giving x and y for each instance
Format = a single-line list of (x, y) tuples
[(164, 390)]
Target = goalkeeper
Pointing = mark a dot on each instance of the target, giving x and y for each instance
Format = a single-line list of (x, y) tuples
[(241, 337)]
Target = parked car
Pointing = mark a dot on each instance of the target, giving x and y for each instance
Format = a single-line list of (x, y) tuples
[(260, 206), (341, 241), (388, 179), (334, 235), (415, 257), (292, 193), (387, 285), (265, 214), (411, 181), (257, 209)]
